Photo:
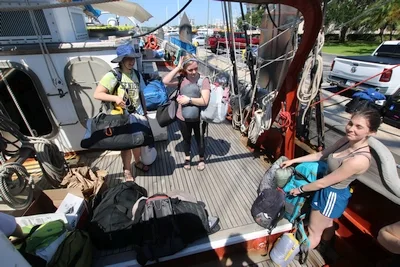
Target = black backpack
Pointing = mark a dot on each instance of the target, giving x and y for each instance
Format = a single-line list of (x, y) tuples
[(159, 230), (192, 220), (112, 225), (268, 208)]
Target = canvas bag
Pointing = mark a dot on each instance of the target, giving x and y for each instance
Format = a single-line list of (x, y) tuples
[(74, 251)]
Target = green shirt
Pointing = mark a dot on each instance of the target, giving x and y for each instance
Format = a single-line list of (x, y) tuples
[(128, 90)]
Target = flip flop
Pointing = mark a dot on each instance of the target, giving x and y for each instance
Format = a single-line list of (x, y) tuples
[(186, 165), (201, 166), (128, 176), (142, 167)]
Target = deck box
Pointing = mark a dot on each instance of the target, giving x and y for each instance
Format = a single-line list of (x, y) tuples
[(159, 133)]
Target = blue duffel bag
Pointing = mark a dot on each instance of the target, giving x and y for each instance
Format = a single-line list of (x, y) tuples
[(155, 94)]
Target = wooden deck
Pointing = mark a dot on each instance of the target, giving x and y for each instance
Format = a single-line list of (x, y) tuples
[(227, 186)]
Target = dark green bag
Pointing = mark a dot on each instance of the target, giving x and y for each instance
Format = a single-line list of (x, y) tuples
[(74, 251)]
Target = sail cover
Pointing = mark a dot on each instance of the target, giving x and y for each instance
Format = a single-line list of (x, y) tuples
[(125, 9)]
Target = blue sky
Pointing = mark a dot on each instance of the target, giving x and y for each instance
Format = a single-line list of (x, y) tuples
[(196, 10)]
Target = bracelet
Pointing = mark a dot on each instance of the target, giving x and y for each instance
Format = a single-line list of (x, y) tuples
[(301, 189)]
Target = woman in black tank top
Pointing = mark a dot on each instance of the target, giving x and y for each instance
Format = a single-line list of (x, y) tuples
[(348, 157)]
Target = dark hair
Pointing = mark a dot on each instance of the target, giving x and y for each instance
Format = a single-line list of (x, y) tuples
[(371, 115)]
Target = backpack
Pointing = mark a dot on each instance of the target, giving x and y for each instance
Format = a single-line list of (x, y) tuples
[(112, 225), (268, 208), (155, 95), (217, 108), (74, 251), (192, 220), (270, 178), (160, 234), (304, 173)]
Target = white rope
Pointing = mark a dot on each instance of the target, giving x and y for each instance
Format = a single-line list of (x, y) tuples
[(306, 94)]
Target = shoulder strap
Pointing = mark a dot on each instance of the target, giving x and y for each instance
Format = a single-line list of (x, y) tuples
[(118, 75), (345, 143), (171, 95)]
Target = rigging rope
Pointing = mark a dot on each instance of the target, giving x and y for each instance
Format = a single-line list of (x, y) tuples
[(259, 125)]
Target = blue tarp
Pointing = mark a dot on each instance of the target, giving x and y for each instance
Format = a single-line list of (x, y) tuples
[(188, 47), (369, 94)]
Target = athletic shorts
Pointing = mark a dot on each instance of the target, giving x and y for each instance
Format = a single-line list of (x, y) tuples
[(331, 202)]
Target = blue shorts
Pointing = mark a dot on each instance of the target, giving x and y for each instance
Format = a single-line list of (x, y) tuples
[(331, 202)]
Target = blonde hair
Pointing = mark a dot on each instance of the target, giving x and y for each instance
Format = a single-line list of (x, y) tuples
[(187, 59)]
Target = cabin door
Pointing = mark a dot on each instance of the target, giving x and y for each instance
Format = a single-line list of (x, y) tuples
[(23, 101), (82, 75)]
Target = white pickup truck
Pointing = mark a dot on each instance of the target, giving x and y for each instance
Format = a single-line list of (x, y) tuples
[(348, 70)]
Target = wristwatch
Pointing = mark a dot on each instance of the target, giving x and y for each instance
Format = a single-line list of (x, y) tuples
[(190, 100)]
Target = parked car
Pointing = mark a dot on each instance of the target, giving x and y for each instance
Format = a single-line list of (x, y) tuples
[(392, 110), (199, 40), (349, 70), (218, 40)]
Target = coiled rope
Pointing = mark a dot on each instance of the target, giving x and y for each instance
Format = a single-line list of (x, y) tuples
[(306, 94), (9, 189), (51, 160)]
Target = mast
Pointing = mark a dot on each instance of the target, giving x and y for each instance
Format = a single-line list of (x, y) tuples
[(312, 13)]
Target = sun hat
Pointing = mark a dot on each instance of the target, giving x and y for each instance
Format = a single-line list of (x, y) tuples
[(126, 50)]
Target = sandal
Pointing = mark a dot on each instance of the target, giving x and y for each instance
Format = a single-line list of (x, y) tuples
[(186, 165), (142, 167), (128, 176), (201, 166)]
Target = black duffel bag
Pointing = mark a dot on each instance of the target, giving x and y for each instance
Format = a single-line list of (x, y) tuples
[(166, 113), (112, 226), (117, 132)]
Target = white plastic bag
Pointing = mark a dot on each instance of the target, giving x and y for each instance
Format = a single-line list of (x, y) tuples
[(148, 155)]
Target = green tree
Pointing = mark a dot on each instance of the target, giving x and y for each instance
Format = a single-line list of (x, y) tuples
[(384, 15), (341, 13), (251, 18)]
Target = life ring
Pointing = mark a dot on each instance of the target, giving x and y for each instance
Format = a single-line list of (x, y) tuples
[(151, 42)]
